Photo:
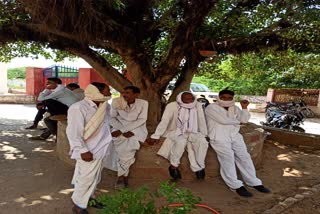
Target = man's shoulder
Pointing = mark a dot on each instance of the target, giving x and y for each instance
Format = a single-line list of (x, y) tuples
[(80, 104), (142, 101), (213, 106), (173, 103)]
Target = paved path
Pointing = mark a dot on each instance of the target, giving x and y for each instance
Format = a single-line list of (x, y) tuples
[(25, 113), (311, 125)]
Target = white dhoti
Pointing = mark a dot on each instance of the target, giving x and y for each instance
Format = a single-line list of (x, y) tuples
[(85, 179), (235, 153), (174, 146), (126, 149)]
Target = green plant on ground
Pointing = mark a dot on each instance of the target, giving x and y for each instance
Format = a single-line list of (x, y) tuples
[(142, 201)]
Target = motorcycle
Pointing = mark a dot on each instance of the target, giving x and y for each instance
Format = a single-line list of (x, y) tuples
[(301, 106), (204, 102), (284, 118)]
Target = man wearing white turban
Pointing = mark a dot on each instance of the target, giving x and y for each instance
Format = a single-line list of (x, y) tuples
[(89, 136), (128, 120), (223, 120), (184, 126)]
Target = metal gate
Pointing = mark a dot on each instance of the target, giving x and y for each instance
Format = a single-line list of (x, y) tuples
[(65, 73)]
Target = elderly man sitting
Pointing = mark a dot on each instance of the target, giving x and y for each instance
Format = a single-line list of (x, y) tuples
[(184, 126)]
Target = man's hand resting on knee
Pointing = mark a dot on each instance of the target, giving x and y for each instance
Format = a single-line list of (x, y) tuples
[(128, 134), (87, 156), (116, 133), (152, 141)]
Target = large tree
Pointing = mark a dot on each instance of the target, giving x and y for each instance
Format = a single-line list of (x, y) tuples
[(157, 40)]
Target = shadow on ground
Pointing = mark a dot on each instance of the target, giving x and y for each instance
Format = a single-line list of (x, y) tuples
[(34, 180)]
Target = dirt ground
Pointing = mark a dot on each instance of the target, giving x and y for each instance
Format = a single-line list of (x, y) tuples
[(33, 180)]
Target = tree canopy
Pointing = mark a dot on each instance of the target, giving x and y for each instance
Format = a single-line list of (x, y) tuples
[(156, 40)]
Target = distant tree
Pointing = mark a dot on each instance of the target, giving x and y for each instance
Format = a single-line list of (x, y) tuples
[(16, 73), (253, 73)]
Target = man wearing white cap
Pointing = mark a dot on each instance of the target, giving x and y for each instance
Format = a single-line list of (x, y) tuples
[(184, 126), (89, 136), (224, 119), (128, 120)]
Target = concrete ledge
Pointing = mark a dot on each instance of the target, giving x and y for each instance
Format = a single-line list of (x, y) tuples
[(17, 99), (63, 147), (293, 138), (149, 165)]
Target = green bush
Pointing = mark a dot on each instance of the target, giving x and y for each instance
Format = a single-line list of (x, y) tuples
[(143, 202), (16, 73)]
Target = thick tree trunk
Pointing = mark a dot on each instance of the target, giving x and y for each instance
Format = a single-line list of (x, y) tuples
[(185, 78), (182, 85), (149, 91), (155, 107)]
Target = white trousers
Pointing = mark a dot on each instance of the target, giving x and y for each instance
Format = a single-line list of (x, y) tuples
[(126, 149), (196, 145), (231, 154), (85, 179)]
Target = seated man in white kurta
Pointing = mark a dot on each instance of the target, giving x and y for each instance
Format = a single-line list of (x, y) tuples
[(128, 120), (223, 120), (89, 136), (184, 126)]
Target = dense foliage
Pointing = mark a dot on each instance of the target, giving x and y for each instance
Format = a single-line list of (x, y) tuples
[(253, 74)]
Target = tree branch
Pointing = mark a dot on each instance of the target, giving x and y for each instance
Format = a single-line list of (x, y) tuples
[(194, 13), (110, 74)]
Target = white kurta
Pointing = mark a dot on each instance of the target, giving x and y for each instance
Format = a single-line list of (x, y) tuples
[(78, 116), (229, 145), (132, 119), (174, 145), (86, 174)]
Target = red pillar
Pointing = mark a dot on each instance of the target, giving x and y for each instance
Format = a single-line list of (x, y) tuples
[(89, 75), (34, 81), (270, 95)]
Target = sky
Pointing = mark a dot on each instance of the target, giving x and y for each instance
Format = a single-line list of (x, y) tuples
[(43, 63)]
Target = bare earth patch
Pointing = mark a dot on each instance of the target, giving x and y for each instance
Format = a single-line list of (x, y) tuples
[(33, 180)]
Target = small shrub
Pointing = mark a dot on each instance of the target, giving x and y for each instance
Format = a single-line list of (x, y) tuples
[(142, 201)]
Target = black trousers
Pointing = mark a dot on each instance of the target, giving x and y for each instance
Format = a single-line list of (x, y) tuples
[(39, 116), (54, 108)]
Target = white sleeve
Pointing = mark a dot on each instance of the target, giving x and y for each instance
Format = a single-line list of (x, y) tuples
[(44, 95), (142, 119), (213, 113), (75, 129), (165, 120), (114, 122), (243, 115)]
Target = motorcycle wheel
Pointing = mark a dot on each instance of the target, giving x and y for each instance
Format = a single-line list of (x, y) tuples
[(298, 129), (307, 113)]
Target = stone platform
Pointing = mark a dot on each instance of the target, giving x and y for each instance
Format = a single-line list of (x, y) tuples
[(17, 99), (149, 165)]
